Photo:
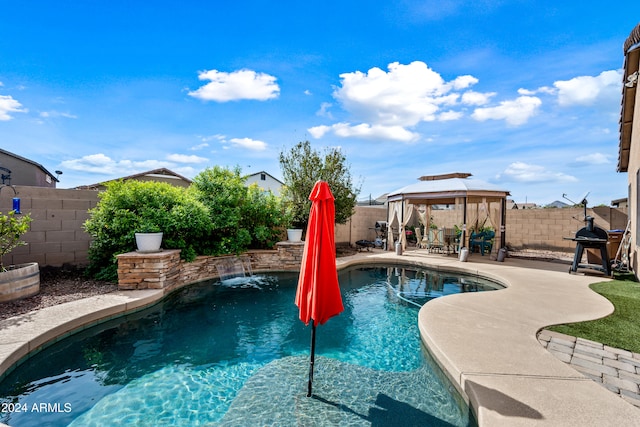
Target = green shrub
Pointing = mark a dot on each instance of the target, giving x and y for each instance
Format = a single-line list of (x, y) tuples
[(11, 229), (223, 192), (242, 217), (127, 207), (263, 216)]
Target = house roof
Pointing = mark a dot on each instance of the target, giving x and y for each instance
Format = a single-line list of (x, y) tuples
[(163, 173), (24, 159), (631, 49), (266, 173)]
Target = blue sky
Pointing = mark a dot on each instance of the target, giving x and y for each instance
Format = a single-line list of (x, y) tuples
[(522, 94)]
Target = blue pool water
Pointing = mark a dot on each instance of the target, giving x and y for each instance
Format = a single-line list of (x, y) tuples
[(225, 352)]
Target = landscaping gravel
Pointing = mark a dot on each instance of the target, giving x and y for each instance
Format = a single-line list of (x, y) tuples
[(57, 286)]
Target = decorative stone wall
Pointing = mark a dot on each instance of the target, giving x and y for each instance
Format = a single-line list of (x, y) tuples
[(165, 270), (158, 270)]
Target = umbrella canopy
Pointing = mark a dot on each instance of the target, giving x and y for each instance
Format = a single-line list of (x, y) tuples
[(318, 294)]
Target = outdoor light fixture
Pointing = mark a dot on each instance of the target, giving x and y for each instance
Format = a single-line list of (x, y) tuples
[(632, 80)]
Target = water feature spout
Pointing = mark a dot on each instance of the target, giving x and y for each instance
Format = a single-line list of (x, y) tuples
[(232, 267)]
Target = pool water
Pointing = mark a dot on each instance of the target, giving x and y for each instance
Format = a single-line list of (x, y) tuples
[(225, 352)]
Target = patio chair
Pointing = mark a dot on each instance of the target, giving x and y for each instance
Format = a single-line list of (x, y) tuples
[(483, 241), (436, 240)]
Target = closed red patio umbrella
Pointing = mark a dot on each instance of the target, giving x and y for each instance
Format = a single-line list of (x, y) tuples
[(318, 293)]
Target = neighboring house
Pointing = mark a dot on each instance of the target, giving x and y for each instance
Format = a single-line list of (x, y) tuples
[(620, 203), (378, 201), (158, 175), (557, 204), (511, 204), (265, 181), (629, 147), (17, 170)]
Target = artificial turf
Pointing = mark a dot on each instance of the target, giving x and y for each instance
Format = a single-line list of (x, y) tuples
[(620, 329)]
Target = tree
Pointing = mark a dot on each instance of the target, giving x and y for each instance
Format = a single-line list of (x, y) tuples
[(302, 167)]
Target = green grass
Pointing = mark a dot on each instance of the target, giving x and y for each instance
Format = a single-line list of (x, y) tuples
[(622, 328)]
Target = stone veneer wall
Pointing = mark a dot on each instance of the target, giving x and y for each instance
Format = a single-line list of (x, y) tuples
[(165, 270)]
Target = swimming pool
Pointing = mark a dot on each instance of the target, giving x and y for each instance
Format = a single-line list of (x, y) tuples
[(220, 353)]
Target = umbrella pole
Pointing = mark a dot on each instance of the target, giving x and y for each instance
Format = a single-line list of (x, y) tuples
[(313, 356)]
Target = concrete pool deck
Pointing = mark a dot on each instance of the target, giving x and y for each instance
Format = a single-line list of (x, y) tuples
[(486, 343)]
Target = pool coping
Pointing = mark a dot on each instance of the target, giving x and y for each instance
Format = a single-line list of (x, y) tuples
[(486, 343)]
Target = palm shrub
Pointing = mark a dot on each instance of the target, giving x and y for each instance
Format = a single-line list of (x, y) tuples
[(128, 207)]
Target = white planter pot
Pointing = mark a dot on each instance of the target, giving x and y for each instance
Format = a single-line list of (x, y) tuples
[(20, 281), (294, 234), (148, 242)]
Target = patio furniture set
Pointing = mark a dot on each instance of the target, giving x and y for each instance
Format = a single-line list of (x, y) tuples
[(447, 240)]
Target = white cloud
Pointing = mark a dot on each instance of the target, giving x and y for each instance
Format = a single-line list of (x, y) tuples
[(199, 147), (542, 89), (526, 173), (248, 143), (319, 131), (587, 90), (182, 158), (324, 110), (102, 164), (1, 84), (463, 82), (516, 112), (242, 84), (593, 159), (404, 96), (9, 105), (476, 98), (449, 115), (308, 92), (365, 131), (217, 137), (55, 114)]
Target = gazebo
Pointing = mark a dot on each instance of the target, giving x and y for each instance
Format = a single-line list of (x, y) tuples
[(478, 201)]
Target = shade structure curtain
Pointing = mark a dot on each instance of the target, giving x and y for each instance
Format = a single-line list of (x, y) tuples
[(406, 218), (395, 213)]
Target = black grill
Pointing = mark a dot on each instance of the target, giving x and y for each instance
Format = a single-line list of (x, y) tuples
[(591, 237)]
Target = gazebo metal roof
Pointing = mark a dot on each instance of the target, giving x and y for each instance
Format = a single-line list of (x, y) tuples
[(440, 189)]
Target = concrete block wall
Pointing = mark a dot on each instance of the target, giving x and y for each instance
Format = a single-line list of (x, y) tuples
[(56, 236), (360, 225), (543, 229), (547, 228)]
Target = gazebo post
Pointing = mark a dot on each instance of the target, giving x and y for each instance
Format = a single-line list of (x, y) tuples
[(503, 221), (463, 236)]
